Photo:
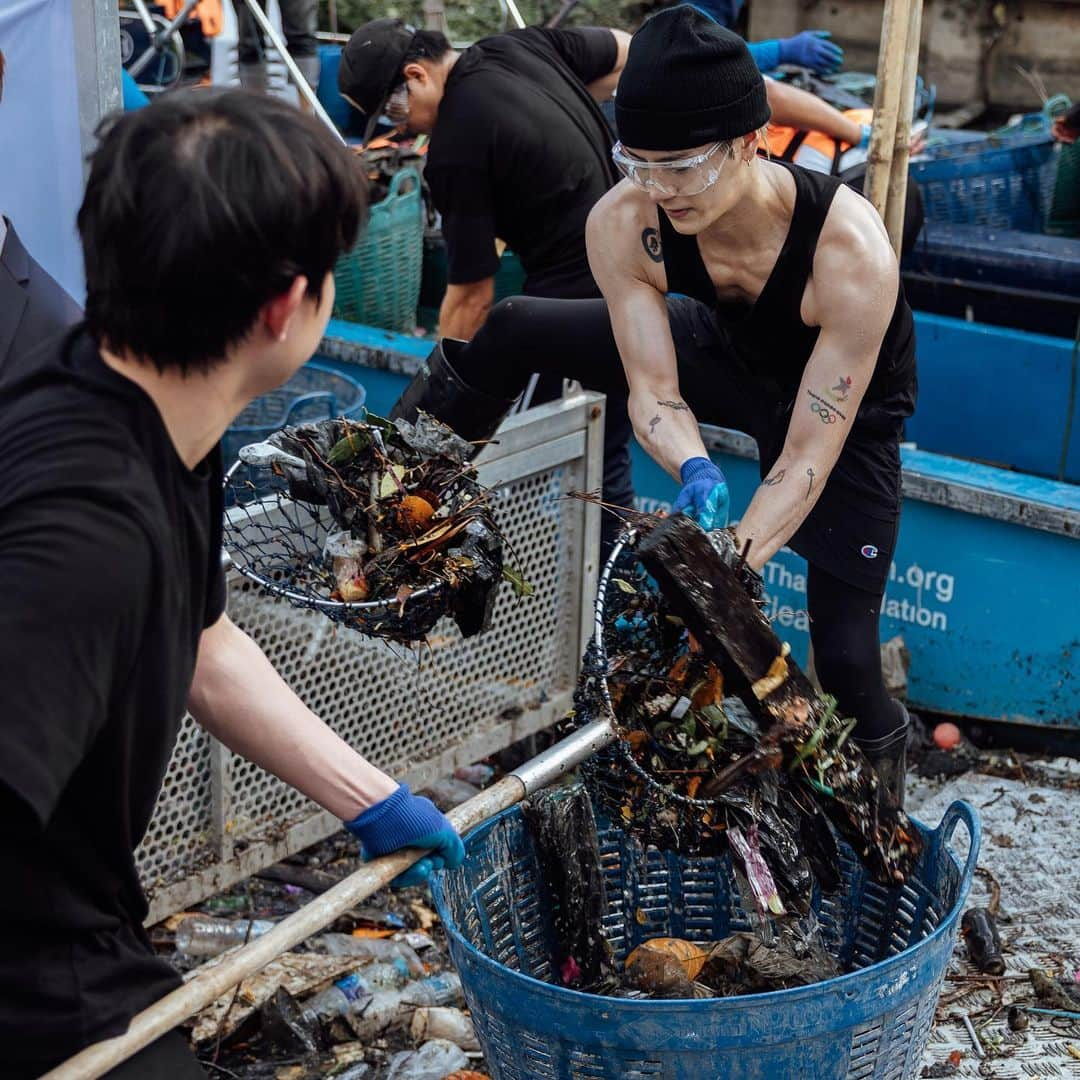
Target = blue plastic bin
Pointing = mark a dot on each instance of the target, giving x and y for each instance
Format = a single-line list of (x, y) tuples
[(1004, 180), (871, 1024), (314, 393)]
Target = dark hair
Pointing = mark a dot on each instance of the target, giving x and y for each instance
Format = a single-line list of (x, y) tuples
[(202, 208), (427, 45)]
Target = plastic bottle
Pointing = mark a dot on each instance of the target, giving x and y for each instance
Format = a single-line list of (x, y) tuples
[(203, 935), (433, 1061), (388, 1008), (339, 999), (384, 950)]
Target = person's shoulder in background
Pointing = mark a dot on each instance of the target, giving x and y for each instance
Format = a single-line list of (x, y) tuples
[(33, 306)]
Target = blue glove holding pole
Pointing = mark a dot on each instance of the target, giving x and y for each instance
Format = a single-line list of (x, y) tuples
[(812, 49), (704, 494), (406, 820)]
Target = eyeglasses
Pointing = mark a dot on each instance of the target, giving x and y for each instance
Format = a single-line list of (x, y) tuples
[(684, 176), (397, 105)]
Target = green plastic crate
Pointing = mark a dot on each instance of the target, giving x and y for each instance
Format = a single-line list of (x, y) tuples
[(378, 282), (1064, 219)]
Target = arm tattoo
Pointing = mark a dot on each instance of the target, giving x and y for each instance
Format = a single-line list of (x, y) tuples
[(650, 241), (653, 422), (678, 406), (826, 412), (810, 485), (772, 481)]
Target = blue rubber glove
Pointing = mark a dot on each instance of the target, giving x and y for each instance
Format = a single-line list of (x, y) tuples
[(704, 494), (864, 142), (407, 820), (812, 49)]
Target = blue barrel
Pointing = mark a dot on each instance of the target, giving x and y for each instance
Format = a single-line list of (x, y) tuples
[(870, 1024)]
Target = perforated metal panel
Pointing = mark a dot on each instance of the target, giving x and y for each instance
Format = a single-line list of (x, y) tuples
[(415, 713)]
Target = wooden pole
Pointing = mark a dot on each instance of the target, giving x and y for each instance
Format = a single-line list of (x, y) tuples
[(890, 75), (898, 173), (176, 1007)]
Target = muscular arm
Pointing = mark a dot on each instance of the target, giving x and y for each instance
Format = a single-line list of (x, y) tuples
[(624, 254), (792, 107), (465, 307), (239, 697), (851, 296), (603, 89)]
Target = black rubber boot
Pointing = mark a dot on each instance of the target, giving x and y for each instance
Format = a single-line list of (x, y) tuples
[(888, 755), (438, 390)]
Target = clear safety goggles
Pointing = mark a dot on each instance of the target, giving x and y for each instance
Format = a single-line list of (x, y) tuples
[(684, 176)]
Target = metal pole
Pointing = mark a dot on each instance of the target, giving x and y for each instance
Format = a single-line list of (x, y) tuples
[(515, 14), (137, 68), (297, 76), (209, 985), (144, 14)]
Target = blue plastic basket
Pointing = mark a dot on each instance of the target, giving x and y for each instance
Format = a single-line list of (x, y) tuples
[(871, 1024), (1004, 179), (314, 393)]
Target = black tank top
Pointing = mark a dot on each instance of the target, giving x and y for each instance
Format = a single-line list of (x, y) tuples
[(769, 336)]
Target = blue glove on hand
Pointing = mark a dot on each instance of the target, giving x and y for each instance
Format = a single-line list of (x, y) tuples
[(407, 820), (864, 142), (704, 495), (812, 49)]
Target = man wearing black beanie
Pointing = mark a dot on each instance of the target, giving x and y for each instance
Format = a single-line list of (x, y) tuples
[(755, 295)]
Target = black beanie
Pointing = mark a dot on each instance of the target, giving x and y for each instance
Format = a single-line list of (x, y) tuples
[(688, 82)]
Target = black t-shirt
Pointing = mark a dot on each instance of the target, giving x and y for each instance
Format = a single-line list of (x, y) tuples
[(110, 569), (522, 152)]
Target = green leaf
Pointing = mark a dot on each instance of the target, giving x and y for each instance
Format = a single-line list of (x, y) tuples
[(517, 580), (624, 586), (346, 449), (698, 748)]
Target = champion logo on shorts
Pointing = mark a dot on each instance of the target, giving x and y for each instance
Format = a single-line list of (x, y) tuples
[(868, 551)]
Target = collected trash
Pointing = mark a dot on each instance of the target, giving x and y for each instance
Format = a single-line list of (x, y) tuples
[(433, 1061), (726, 746), (390, 1008), (449, 792), (412, 536), (947, 736)]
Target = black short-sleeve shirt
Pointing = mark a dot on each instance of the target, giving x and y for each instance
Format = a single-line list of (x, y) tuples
[(522, 153), (110, 569)]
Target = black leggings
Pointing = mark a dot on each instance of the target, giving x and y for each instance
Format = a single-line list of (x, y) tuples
[(573, 339), (847, 652)]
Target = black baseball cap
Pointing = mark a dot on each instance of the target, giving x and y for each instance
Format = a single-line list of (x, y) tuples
[(371, 64)]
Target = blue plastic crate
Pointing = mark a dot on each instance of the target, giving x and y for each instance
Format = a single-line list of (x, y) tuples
[(1004, 179), (314, 393), (871, 1024)]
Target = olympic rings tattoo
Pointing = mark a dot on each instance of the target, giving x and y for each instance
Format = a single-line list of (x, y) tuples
[(826, 414)]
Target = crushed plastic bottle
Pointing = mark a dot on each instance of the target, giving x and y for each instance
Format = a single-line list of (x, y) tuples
[(443, 1022), (342, 997), (417, 940), (204, 936), (431, 1062), (381, 950), (390, 1008)]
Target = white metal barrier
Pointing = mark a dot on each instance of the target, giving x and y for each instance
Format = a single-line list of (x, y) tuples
[(415, 713)]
